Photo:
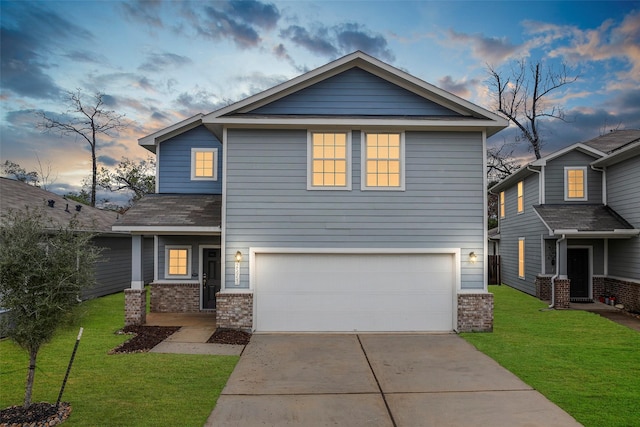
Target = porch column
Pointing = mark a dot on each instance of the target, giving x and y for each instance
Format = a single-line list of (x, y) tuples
[(561, 259), (135, 299), (137, 277)]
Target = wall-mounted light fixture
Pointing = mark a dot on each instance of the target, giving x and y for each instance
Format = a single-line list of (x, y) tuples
[(473, 257), (238, 258)]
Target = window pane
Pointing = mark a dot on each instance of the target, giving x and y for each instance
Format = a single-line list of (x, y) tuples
[(329, 179), (394, 166), (383, 166), (317, 179), (317, 166), (341, 167), (394, 152), (394, 140), (329, 152), (372, 167), (394, 180), (329, 166), (372, 180)]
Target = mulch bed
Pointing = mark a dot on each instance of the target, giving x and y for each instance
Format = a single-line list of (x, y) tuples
[(146, 337), (39, 414), (230, 336)]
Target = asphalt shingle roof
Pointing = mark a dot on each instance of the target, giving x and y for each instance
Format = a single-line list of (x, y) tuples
[(582, 217), (174, 210), (18, 195), (614, 140)]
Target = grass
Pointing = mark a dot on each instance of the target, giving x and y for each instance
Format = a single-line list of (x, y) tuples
[(144, 389), (584, 363)]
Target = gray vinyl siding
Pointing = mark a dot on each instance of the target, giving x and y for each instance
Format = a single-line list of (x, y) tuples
[(113, 270), (174, 163), (355, 92), (554, 178), (514, 226), (268, 204), (623, 194), (193, 242)]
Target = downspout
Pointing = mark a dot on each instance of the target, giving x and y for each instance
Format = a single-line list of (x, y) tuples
[(555, 276)]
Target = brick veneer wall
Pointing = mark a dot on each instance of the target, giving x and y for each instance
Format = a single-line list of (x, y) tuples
[(543, 287), (562, 288), (135, 306), (475, 312), (597, 286), (626, 293), (175, 297), (234, 310)]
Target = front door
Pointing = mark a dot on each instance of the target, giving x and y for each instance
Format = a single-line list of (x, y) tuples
[(210, 277), (578, 272)]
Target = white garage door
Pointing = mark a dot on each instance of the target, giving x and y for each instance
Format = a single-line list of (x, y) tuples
[(353, 292)]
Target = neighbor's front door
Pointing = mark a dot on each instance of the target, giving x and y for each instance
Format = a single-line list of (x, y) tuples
[(210, 277), (578, 272)]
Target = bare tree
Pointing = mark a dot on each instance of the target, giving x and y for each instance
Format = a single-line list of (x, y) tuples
[(45, 172), (522, 96), (501, 162), (87, 120)]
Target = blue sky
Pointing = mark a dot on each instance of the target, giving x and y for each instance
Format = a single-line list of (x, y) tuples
[(159, 62)]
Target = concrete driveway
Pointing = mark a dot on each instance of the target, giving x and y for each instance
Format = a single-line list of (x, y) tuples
[(376, 380)]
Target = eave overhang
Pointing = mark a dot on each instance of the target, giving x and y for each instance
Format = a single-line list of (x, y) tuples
[(168, 230), (610, 234)]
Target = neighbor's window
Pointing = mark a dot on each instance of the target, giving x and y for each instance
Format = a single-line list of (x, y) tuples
[(178, 261), (502, 204), (383, 161), (520, 197), (521, 257), (329, 161), (575, 183), (204, 163)]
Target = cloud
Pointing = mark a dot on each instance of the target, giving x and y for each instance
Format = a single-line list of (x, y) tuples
[(200, 101), (239, 21), (107, 160), (609, 41), (144, 11), (492, 50), (159, 61), (338, 40), (461, 88), (28, 35), (86, 56)]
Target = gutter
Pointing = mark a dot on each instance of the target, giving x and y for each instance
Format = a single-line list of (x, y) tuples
[(555, 276)]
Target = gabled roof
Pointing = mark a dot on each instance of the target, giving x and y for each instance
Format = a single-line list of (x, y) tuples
[(584, 220), (468, 115), (19, 196), (472, 116), (173, 214)]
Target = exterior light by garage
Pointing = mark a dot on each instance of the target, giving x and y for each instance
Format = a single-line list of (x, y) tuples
[(237, 269), (473, 257)]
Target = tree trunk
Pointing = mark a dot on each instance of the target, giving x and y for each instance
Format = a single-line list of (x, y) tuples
[(94, 173), (33, 354)]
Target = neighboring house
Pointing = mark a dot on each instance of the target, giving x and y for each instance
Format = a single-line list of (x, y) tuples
[(569, 223), (113, 270), (349, 198)]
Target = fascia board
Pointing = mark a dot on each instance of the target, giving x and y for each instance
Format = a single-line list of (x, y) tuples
[(579, 146), (543, 222), (615, 234), (150, 141), (151, 229), (509, 181)]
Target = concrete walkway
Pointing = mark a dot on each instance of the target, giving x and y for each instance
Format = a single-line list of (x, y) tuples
[(609, 312), (376, 380)]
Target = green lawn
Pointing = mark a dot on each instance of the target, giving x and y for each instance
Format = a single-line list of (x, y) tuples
[(142, 389), (587, 365)]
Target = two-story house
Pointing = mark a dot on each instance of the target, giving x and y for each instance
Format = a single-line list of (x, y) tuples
[(569, 223), (349, 198)]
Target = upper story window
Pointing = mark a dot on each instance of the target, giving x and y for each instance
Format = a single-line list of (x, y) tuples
[(521, 197), (502, 211), (329, 156), (177, 261), (575, 183), (204, 164), (383, 161)]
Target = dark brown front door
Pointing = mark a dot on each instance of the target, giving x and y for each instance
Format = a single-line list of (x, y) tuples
[(578, 272), (210, 277)]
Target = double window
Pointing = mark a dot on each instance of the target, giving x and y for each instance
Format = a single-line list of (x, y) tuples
[(329, 156), (575, 183), (204, 162)]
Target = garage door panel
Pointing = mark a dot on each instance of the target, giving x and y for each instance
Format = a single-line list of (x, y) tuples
[(353, 292)]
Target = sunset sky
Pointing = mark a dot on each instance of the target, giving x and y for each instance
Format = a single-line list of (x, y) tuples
[(160, 62)]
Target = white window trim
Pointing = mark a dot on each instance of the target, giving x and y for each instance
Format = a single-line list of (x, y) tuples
[(167, 248), (518, 211), (524, 258), (566, 183), (193, 164), (310, 185), (363, 163)]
